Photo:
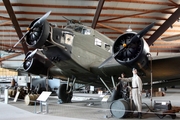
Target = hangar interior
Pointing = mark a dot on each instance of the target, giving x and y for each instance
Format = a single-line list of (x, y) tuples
[(110, 17)]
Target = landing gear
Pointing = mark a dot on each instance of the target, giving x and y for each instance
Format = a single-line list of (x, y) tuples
[(65, 92), (122, 105), (118, 92), (64, 95)]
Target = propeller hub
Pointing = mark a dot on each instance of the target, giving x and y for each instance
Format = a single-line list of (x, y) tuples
[(28, 29), (124, 45)]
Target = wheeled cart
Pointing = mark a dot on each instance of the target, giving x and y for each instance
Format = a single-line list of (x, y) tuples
[(163, 108)]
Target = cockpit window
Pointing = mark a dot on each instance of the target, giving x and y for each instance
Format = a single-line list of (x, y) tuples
[(86, 31), (79, 29), (70, 27)]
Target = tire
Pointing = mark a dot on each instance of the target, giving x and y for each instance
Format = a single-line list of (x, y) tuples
[(63, 95)]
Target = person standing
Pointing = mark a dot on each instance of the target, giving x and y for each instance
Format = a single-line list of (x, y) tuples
[(123, 86), (136, 90)]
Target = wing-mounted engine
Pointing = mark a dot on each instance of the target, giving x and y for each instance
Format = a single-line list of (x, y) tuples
[(131, 53), (38, 35), (131, 50), (36, 63)]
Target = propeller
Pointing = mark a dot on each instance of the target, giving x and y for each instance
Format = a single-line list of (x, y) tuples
[(38, 23), (28, 59), (128, 44), (134, 39)]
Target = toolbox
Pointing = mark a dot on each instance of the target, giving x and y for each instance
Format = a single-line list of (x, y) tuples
[(162, 105)]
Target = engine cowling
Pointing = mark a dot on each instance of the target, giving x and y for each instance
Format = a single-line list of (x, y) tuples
[(131, 53), (38, 35), (35, 65)]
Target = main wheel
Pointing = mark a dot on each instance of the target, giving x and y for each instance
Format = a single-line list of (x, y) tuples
[(63, 95)]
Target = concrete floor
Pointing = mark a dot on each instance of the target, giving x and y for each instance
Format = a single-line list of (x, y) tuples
[(83, 107)]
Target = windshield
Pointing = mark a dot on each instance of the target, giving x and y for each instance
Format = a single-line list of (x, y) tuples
[(79, 29)]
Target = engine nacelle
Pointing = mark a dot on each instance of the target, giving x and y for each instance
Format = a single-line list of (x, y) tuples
[(131, 53), (36, 65), (37, 37)]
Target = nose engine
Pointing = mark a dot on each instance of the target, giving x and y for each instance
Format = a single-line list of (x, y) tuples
[(131, 53)]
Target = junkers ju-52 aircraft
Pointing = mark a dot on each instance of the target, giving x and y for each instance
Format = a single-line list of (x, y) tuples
[(82, 54)]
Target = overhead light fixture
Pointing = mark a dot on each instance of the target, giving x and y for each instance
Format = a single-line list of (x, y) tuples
[(129, 29)]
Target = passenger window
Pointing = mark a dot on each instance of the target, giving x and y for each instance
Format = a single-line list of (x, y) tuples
[(68, 38), (98, 42), (107, 47)]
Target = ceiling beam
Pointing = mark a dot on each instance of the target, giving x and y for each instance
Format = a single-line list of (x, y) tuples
[(138, 14), (112, 28), (53, 6), (9, 56), (174, 3), (143, 2), (68, 6), (5, 23), (80, 7), (116, 16), (8, 46), (4, 18), (15, 23), (164, 27), (97, 14)]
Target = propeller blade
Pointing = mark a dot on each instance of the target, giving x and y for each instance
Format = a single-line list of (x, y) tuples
[(32, 53), (19, 67), (145, 30), (114, 55), (21, 39), (142, 32), (41, 20), (111, 57)]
